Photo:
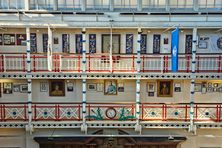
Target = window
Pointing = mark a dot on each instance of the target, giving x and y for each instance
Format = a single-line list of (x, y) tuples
[(97, 4), (154, 3), (125, 4), (12, 4), (181, 3), (41, 4), (69, 4), (210, 3)]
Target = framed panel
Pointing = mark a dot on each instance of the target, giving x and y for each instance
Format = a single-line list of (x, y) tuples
[(110, 87), (143, 44), (120, 87), (16, 87), (197, 87), (188, 44), (150, 87), (92, 43), (78, 43), (129, 43), (45, 42), (1, 40), (57, 88), (66, 43), (164, 88), (99, 87), (7, 88), (24, 88), (21, 39), (33, 42), (9, 39), (156, 43), (115, 43), (91, 87), (70, 86), (43, 86)]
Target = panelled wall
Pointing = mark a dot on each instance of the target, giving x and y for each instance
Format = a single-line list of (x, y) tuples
[(207, 38), (127, 95)]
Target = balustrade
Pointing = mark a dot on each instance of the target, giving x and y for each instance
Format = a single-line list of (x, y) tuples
[(101, 63), (108, 111)]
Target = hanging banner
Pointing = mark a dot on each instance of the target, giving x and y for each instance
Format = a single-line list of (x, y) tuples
[(175, 46)]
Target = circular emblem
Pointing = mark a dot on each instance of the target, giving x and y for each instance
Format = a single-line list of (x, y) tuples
[(219, 43), (110, 113)]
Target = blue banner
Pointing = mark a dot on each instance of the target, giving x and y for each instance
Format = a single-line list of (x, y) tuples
[(174, 48)]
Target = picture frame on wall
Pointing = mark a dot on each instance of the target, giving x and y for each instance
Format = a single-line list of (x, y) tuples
[(121, 87), (177, 87), (23, 88), (99, 87), (115, 43), (57, 88), (91, 87), (166, 41), (43, 86), (16, 87), (79, 43), (92, 43), (110, 87), (156, 43), (129, 43), (9, 39), (202, 44), (150, 87), (164, 88), (7, 88), (55, 40), (197, 87), (21, 39), (70, 86), (151, 94), (1, 40)]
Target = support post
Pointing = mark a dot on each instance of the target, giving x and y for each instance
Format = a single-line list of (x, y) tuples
[(83, 5), (55, 5), (49, 50), (138, 127), (192, 127), (139, 5), (84, 125), (27, 5), (29, 127)]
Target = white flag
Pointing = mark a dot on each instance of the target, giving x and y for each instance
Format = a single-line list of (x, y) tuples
[(49, 50)]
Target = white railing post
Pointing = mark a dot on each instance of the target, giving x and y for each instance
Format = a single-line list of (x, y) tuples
[(29, 127), (162, 63), (192, 127), (139, 50), (84, 125), (60, 63)]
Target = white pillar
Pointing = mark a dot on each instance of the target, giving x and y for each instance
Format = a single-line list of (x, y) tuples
[(29, 81), (193, 77), (84, 126), (84, 50), (137, 101), (49, 50), (139, 5), (111, 5), (55, 5), (83, 5), (27, 5), (139, 35)]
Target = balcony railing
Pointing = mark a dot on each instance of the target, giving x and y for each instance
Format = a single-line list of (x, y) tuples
[(107, 111), (101, 63)]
